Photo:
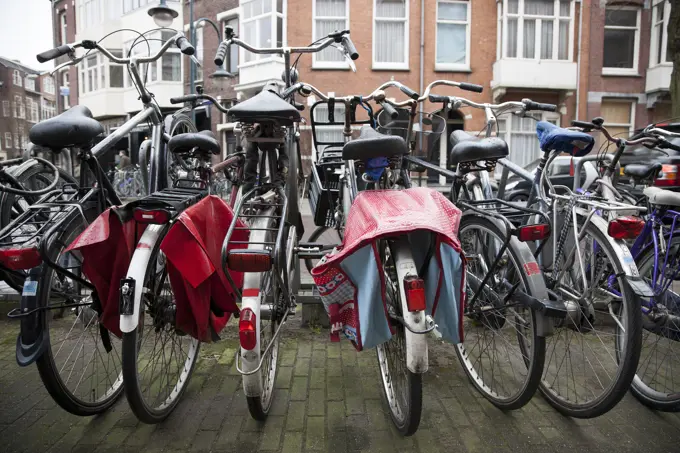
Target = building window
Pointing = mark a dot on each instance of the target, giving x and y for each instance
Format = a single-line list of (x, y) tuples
[(48, 109), (536, 29), (20, 141), (170, 67), (19, 109), (621, 40), (29, 84), (520, 133), (32, 108), (390, 34), (262, 25), (5, 109), (453, 40), (660, 52), (65, 90), (231, 60), (17, 140), (63, 36), (199, 53), (48, 85), (8, 140), (116, 78), (619, 118), (329, 16), (16, 78)]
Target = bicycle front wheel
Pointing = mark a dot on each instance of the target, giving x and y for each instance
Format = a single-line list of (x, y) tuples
[(502, 354)]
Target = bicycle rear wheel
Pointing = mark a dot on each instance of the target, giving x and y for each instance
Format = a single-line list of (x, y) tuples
[(654, 384), (502, 354)]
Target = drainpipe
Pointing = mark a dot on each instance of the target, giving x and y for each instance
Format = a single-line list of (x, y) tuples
[(578, 64), (422, 81), (192, 40)]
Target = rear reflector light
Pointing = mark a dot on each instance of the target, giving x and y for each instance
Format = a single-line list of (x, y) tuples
[(627, 227), (21, 258), (533, 232), (247, 329), (155, 216), (249, 260), (669, 176), (415, 293)]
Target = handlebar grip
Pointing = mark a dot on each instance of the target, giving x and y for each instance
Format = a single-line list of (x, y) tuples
[(583, 124), (221, 53), (233, 161), (53, 53), (349, 45), (297, 105), (390, 110), (183, 99), (185, 46), (409, 92), (666, 144), (438, 98), (531, 105), (471, 87)]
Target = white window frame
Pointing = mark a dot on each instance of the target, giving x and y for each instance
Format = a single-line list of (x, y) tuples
[(633, 105), (502, 37), (5, 109), (156, 66), (19, 107), (403, 66), (663, 23), (66, 83), (29, 83), (200, 51), (48, 109), (16, 78), (8, 140), (263, 58), (454, 66), (84, 73), (329, 64), (636, 46), (63, 27), (48, 85), (32, 109), (222, 19)]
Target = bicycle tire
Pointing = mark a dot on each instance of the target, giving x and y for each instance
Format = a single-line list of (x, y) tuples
[(314, 237), (180, 124), (133, 345), (626, 363), (48, 369), (532, 357), (412, 389), (641, 388)]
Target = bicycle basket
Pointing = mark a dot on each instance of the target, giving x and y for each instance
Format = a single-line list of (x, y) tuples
[(425, 135), (324, 189)]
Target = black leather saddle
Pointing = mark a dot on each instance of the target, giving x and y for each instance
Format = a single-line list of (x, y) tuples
[(468, 148), (74, 127), (372, 143), (266, 106), (642, 171), (205, 141)]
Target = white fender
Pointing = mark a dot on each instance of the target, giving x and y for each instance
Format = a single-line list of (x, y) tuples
[(137, 270)]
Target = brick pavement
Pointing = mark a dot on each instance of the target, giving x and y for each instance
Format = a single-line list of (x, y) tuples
[(328, 398)]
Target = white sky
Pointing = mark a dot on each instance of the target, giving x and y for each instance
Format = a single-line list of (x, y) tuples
[(26, 30)]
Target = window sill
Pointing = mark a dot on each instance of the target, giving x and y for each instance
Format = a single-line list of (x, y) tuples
[(260, 61), (343, 67), (451, 68), (388, 67), (620, 73)]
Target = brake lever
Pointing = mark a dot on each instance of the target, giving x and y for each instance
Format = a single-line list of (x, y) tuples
[(195, 60), (74, 61), (342, 49)]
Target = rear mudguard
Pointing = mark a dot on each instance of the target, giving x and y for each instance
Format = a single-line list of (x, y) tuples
[(33, 338)]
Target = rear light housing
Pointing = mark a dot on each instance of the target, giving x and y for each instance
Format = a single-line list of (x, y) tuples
[(415, 293), (627, 227), (19, 259), (247, 329), (536, 232), (245, 260), (669, 176), (151, 216)]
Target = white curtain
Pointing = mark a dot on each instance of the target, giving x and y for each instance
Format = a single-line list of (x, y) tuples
[(565, 8), (390, 8), (539, 7), (529, 38), (451, 43), (546, 39), (390, 42), (563, 46), (512, 38), (323, 28)]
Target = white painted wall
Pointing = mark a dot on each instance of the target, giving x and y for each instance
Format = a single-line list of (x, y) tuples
[(556, 75)]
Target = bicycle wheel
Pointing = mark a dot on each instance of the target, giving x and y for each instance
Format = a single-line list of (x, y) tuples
[(654, 384), (502, 354), (158, 360), (322, 235), (179, 124), (76, 369), (403, 389), (592, 357)]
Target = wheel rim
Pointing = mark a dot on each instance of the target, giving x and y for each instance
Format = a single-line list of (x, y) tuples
[(498, 336), (392, 354), (267, 330)]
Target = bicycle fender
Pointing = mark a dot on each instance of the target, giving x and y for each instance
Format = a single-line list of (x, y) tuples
[(137, 272), (33, 339)]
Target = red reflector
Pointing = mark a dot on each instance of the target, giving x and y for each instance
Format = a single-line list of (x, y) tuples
[(533, 232), (155, 216), (415, 293), (627, 227), (249, 260), (20, 259), (668, 177), (247, 329)]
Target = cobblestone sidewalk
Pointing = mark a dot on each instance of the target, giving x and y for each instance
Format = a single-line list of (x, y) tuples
[(328, 398)]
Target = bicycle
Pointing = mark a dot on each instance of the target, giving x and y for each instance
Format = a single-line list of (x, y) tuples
[(81, 371)]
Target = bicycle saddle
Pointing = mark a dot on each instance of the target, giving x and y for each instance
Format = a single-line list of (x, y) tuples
[(204, 141), (74, 127), (662, 197), (468, 148), (265, 106), (372, 143), (642, 172), (555, 138)]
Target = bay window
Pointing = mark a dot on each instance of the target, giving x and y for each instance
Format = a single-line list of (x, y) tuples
[(263, 26), (48, 108), (329, 16), (48, 85), (29, 84), (116, 71), (453, 35), (536, 29), (168, 68), (390, 34), (231, 59), (660, 52), (621, 40), (199, 52)]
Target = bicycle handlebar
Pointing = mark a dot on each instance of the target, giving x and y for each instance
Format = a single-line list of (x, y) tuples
[(349, 47), (196, 97), (54, 53)]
